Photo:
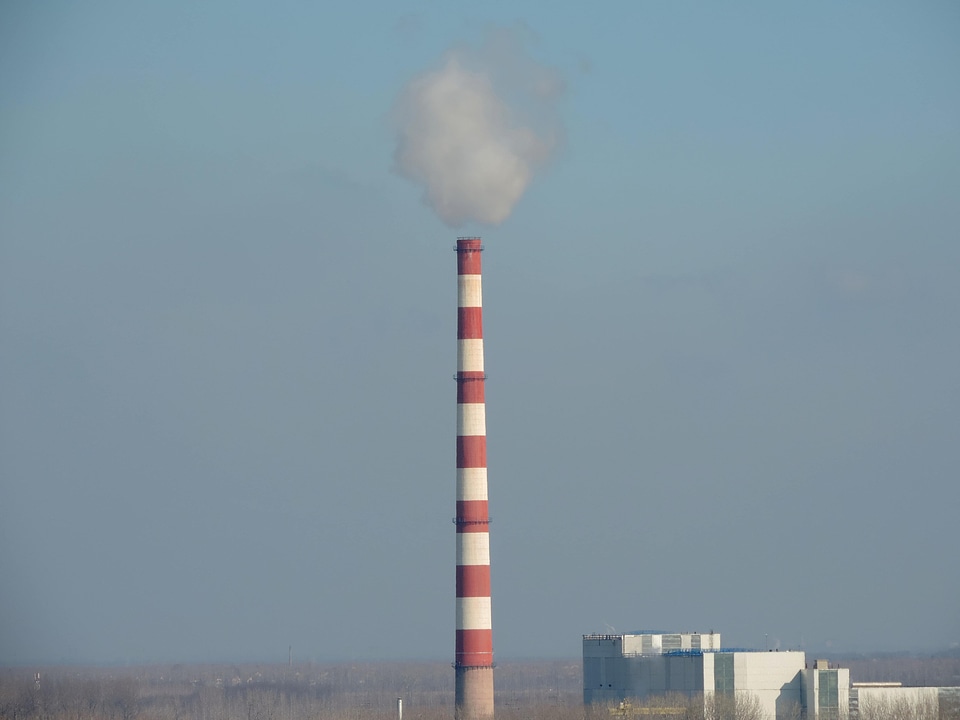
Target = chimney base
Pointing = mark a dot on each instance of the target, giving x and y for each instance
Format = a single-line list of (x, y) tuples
[(474, 693)]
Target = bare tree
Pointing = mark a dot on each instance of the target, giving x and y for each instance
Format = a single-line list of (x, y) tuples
[(899, 708), (790, 710), (733, 706), (16, 697), (123, 695)]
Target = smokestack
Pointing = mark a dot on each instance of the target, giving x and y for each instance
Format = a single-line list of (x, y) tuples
[(474, 643)]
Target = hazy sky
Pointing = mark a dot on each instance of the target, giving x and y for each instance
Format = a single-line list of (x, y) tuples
[(722, 331)]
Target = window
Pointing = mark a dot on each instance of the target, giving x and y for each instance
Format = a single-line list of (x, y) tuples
[(723, 673), (829, 699)]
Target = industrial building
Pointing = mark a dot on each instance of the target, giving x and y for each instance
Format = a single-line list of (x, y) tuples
[(619, 667), (638, 666), (625, 667)]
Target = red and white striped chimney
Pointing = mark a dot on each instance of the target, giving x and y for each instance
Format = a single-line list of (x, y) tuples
[(474, 657)]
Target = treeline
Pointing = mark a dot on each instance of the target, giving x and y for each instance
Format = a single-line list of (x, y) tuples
[(362, 691), (23, 697), (530, 690)]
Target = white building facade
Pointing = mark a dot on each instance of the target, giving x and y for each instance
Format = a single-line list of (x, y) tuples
[(872, 700), (622, 667)]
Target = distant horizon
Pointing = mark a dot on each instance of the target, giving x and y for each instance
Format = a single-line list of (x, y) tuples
[(951, 650)]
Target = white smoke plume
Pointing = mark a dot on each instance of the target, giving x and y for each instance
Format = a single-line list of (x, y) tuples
[(474, 131)]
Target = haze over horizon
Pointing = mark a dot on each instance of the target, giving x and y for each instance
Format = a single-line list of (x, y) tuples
[(720, 316)]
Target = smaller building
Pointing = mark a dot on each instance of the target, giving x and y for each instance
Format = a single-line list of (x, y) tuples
[(892, 700), (826, 691)]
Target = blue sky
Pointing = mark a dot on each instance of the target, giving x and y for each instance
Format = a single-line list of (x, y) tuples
[(721, 332)]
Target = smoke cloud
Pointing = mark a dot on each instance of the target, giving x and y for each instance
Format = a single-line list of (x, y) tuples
[(474, 131)]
